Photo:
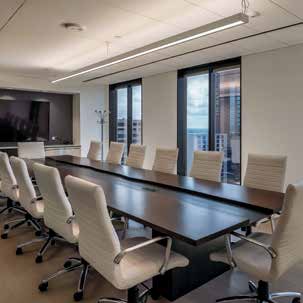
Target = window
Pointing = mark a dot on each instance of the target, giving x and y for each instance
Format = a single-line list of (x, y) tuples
[(209, 115), (125, 106)]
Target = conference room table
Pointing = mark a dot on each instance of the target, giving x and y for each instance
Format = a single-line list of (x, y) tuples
[(196, 214)]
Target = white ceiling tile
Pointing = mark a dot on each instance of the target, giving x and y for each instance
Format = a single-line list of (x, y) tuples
[(291, 36), (293, 6), (7, 8), (259, 44)]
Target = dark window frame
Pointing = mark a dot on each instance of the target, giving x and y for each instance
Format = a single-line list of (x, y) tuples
[(182, 108), (113, 110)]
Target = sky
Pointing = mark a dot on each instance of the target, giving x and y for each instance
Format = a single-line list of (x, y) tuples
[(197, 101)]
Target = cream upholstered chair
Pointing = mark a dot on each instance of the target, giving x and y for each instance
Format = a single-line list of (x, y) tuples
[(124, 264), (31, 150), (58, 216), (94, 152), (10, 190), (115, 153), (33, 204), (166, 160), (136, 155), (9, 187), (267, 257), (266, 172), (207, 165)]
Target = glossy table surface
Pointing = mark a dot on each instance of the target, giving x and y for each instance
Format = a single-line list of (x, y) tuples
[(168, 209), (265, 201)]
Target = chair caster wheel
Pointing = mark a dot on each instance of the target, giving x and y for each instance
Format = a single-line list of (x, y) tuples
[(296, 300), (4, 236), (5, 226), (67, 264), (39, 259), (43, 286), (78, 296), (38, 233), (19, 251)]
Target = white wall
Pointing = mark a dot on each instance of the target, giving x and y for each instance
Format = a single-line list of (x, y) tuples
[(159, 113), (91, 99), (272, 106)]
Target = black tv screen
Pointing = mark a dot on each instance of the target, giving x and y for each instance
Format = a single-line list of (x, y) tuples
[(23, 120)]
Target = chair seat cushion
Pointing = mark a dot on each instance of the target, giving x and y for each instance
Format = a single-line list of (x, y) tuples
[(145, 263), (249, 257)]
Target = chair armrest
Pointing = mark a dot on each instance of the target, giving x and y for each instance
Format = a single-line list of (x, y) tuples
[(34, 200), (124, 252), (70, 219), (268, 248)]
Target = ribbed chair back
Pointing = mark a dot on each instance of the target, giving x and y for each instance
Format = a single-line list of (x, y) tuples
[(166, 160), (31, 150), (98, 240), (286, 237), (265, 172), (27, 193), (136, 155), (207, 165), (9, 185), (94, 152), (57, 208), (115, 153)]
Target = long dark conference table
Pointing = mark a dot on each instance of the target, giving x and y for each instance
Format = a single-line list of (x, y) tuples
[(195, 213)]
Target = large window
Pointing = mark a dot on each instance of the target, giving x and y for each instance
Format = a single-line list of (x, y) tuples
[(125, 102), (209, 115)]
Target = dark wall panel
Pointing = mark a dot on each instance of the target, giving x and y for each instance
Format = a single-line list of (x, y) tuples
[(61, 112)]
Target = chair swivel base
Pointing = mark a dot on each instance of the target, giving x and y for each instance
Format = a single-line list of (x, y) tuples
[(70, 265), (262, 294), (27, 219), (133, 296)]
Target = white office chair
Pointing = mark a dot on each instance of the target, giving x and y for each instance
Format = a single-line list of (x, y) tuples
[(115, 153), (266, 172), (166, 160), (33, 204), (207, 165), (94, 152), (9, 189), (127, 263), (136, 156), (31, 150), (267, 257)]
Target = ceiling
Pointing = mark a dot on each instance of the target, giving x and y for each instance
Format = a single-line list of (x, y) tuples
[(34, 45)]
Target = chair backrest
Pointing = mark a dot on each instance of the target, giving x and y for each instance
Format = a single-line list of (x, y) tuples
[(136, 155), (8, 179), (265, 172), (94, 152), (207, 165), (286, 239), (27, 193), (166, 160), (98, 240), (57, 208), (115, 153), (31, 150)]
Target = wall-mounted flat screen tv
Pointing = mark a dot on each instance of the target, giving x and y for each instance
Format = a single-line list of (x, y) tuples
[(22, 120)]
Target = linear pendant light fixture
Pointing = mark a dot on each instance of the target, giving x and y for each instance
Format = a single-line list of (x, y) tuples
[(199, 32)]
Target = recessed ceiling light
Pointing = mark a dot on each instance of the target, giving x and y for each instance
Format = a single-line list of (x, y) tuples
[(208, 29), (73, 26)]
